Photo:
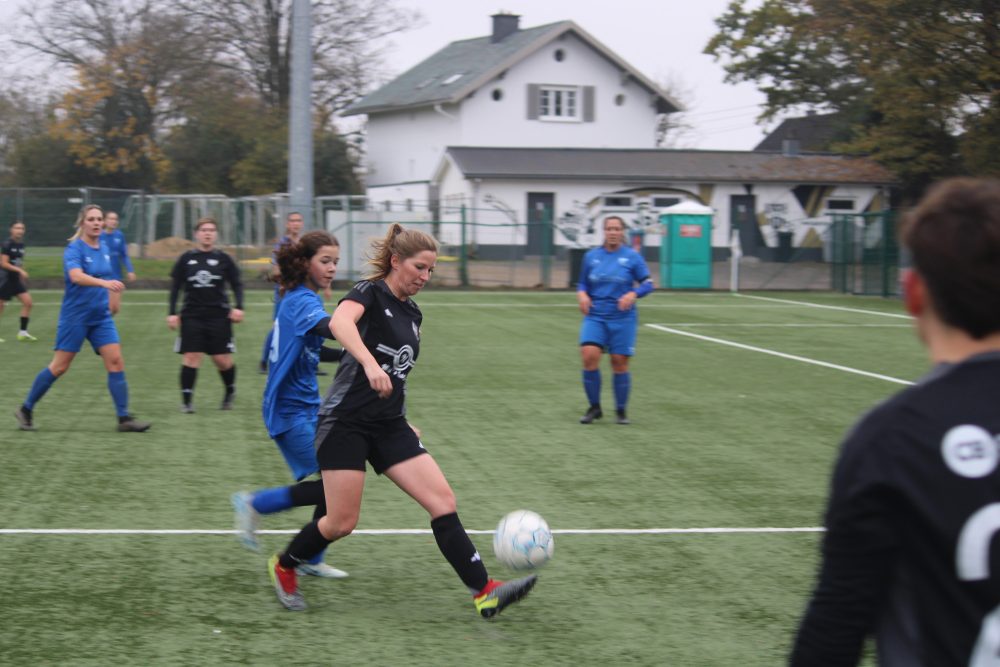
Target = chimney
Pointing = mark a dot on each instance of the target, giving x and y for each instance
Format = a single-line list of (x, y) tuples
[(503, 26)]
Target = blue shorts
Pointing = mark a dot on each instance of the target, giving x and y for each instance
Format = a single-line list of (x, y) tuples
[(70, 337), (298, 446), (617, 336)]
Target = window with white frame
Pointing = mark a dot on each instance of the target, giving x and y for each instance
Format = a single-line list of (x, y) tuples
[(558, 103)]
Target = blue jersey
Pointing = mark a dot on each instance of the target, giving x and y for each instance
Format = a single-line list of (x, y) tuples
[(607, 276), (291, 394), (85, 305), (119, 252)]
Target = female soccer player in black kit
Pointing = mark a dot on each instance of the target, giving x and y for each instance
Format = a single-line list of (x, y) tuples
[(206, 319), (910, 554), (362, 419)]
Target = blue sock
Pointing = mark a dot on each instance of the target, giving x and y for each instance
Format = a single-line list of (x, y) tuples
[(318, 558), (269, 501), (118, 387), (592, 386), (623, 383), (42, 382)]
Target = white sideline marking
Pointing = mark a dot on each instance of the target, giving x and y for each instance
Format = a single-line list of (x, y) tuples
[(401, 531), (821, 305), (786, 325), (793, 357)]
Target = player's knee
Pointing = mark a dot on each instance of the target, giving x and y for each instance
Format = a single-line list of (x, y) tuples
[(335, 526)]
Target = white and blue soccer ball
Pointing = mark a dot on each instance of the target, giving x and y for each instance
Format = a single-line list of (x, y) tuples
[(523, 540)]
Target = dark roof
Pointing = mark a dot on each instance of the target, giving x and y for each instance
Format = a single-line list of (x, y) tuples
[(462, 67), (814, 133), (665, 165)]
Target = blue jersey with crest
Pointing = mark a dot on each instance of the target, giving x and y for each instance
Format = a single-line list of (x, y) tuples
[(607, 275), (81, 304), (291, 394)]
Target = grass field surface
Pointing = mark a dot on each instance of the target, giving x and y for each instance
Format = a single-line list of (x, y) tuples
[(118, 548)]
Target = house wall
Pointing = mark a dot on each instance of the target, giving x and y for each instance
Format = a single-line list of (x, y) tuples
[(406, 146), (488, 122)]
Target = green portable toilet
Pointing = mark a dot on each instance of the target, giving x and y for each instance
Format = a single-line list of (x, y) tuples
[(686, 250)]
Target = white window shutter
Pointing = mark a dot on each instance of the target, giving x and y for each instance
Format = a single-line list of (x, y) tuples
[(532, 101), (588, 104)]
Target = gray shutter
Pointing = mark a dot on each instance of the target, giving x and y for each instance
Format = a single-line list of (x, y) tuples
[(532, 101), (588, 104)]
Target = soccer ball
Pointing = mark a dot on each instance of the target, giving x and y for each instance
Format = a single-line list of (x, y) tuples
[(523, 540)]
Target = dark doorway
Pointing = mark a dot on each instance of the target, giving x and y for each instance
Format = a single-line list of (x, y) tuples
[(743, 216), (541, 207)]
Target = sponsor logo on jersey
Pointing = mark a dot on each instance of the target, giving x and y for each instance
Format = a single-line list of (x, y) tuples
[(203, 278), (970, 451), (402, 360)]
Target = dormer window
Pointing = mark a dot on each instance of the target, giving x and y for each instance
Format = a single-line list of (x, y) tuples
[(559, 103)]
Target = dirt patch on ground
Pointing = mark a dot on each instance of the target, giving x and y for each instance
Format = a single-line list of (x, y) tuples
[(168, 248)]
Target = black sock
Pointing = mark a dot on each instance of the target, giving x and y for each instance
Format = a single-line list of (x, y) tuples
[(304, 546), (456, 546), (188, 376), (24, 324), (307, 493), (229, 379)]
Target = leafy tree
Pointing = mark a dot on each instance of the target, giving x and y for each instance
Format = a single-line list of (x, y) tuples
[(917, 82)]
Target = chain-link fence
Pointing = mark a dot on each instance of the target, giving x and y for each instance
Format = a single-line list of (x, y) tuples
[(484, 248)]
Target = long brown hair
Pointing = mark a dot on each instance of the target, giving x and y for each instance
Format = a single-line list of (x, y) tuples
[(293, 258), (404, 243)]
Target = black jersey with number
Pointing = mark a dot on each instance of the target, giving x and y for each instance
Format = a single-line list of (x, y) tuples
[(15, 255), (390, 329), (203, 276), (909, 555)]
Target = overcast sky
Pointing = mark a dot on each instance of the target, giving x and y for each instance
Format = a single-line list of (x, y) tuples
[(663, 39)]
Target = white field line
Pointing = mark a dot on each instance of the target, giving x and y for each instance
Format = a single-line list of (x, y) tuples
[(816, 325), (783, 355), (824, 306), (405, 531), (471, 304)]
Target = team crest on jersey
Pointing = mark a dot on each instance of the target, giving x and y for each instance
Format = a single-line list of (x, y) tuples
[(192, 261), (623, 261), (970, 451), (211, 262), (388, 313)]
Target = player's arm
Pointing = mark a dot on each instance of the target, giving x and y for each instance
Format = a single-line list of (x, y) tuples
[(236, 282), (344, 326), (126, 260), (858, 555), (78, 277), (6, 265), (583, 288), (176, 280)]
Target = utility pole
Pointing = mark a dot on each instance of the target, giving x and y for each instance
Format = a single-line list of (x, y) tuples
[(300, 138)]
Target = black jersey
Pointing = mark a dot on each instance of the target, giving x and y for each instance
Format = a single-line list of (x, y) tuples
[(15, 255), (203, 276), (390, 329), (913, 510)]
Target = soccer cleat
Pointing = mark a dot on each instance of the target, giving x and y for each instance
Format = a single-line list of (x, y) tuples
[(499, 594), (286, 585), (23, 417), (25, 336), (622, 419), (320, 569), (593, 412), (227, 401), (132, 425), (247, 519), (187, 408)]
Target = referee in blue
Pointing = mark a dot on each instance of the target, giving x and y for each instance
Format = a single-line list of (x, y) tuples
[(85, 315), (612, 278)]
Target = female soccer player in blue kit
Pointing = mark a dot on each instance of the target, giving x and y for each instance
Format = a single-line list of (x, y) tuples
[(84, 315), (612, 277), (115, 240), (291, 394)]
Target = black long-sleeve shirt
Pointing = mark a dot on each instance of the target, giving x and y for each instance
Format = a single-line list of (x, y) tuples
[(913, 510), (203, 276)]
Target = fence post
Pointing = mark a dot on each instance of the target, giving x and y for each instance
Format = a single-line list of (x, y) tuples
[(546, 249), (463, 266)]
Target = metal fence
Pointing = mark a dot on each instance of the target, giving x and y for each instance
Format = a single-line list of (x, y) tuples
[(482, 248)]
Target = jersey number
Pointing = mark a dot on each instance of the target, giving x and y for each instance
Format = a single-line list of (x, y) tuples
[(972, 561)]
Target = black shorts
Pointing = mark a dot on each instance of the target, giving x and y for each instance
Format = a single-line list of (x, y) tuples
[(346, 445), (209, 335), (11, 288)]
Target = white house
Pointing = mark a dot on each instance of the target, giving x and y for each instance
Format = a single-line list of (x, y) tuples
[(547, 123)]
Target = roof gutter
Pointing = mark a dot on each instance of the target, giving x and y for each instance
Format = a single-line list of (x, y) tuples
[(437, 107)]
